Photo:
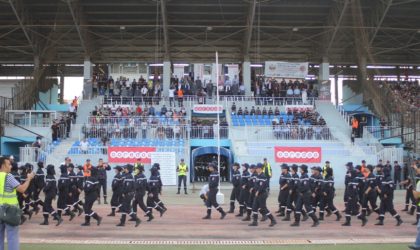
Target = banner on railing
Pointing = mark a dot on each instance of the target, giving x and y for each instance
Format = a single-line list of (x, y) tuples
[(297, 154), (286, 69), (130, 154), (207, 109), (167, 164), (299, 107)]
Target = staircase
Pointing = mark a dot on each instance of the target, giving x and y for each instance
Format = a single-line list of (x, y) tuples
[(338, 126)]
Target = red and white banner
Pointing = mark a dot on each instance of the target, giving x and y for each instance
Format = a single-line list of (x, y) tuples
[(207, 109), (298, 154), (280, 69), (130, 154)]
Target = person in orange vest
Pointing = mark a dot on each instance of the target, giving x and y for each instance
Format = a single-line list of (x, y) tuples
[(355, 127), (363, 169), (86, 168), (180, 95)]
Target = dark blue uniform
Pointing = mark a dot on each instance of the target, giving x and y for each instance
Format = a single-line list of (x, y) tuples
[(141, 188), (352, 207), (39, 184), (50, 191), (284, 182), (386, 191), (117, 185), (260, 202), (234, 195), (127, 195), (154, 186), (244, 192), (91, 186), (213, 190)]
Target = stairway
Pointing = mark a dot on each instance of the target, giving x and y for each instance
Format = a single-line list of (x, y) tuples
[(338, 126), (85, 108)]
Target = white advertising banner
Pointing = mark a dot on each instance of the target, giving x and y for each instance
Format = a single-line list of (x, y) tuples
[(286, 69), (167, 162)]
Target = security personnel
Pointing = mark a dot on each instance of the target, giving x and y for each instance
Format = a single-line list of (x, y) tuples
[(386, 191), (347, 180), (154, 188), (250, 187), (86, 168), (408, 184), (160, 203), (284, 181), (117, 185), (352, 207), (102, 178), (416, 179), (127, 195), (328, 192), (292, 197), (63, 193), (236, 189), (316, 182), (91, 194), (141, 188), (304, 198), (267, 171), (26, 196), (244, 189), (182, 170), (72, 187), (261, 195), (369, 191), (50, 191), (80, 183), (213, 189), (39, 184), (324, 169), (15, 173), (360, 179)]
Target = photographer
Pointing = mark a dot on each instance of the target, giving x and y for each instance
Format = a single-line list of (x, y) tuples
[(8, 197)]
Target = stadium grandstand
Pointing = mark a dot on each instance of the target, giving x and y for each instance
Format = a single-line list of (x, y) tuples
[(212, 83)]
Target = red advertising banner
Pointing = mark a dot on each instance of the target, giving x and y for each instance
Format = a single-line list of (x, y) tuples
[(297, 154), (130, 154)]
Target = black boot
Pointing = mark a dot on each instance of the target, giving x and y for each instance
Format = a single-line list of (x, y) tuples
[(45, 222), (338, 215), (97, 218), (282, 212), (185, 191), (232, 207), (150, 215), (58, 219), (122, 220), (208, 216), (380, 222), (248, 215), (305, 215), (273, 221), (87, 221), (179, 189), (363, 219), (412, 210), (22, 219), (405, 208), (223, 213), (399, 221), (314, 219), (329, 213), (297, 221), (321, 215), (254, 220), (347, 223), (105, 201), (136, 219), (112, 212), (161, 210), (241, 211), (72, 215), (287, 217)]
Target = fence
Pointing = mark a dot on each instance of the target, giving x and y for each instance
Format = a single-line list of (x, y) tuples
[(154, 131), (280, 132), (131, 120), (30, 118)]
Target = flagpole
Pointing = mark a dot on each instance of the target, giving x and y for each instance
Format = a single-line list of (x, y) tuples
[(218, 115)]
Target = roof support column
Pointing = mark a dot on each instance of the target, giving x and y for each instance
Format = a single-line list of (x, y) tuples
[(166, 79), (87, 79), (246, 77)]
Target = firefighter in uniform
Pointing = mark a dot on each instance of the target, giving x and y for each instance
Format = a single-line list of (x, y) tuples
[(15, 173), (78, 204), (236, 189), (117, 184), (352, 207), (284, 182), (386, 191), (50, 191), (26, 196), (39, 184), (328, 192), (213, 189), (261, 195), (127, 195), (154, 187), (250, 186), (141, 188), (102, 178), (72, 187), (182, 170), (292, 197), (369, 191), (316, 182), (347, 180), (91, 194), (244, 190), (304, 198), (63, 193)]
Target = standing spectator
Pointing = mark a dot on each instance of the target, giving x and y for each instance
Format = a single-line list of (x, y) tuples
[(84, 146), (171, 95), (382, 123), (11, 185), (180, 95), (355, 127), (54, 129), (209, 89), (397, 174), (143, 126)]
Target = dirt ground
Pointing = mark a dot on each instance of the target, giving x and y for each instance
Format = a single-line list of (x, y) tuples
[(183, 223)]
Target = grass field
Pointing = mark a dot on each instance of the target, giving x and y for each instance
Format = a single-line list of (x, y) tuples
[(214, 247)]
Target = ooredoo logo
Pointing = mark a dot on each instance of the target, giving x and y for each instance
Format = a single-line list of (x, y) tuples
[(298, 155), (130, 155)]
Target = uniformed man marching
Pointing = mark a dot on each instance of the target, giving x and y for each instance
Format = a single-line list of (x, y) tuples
[(292, 197), (154, 187), (117, 186), (260, 200), (127, 195), (91, 194), (39, 184), (236, 189), (328, 192), (50, 191), (244, 190), (141, 189), (182, 170), (284, 182), (352, 207), (250, 187), (213, 189)]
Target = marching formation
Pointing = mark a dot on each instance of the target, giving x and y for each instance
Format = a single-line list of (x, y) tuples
[(129, 187), (304, 194)]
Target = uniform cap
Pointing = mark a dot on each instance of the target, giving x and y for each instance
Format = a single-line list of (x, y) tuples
[(236, 164), (119, 168), (304, 168), (358, 167), (284, 166), (253, 166), (259, 165), (370, 167), (295, 167), (349, 164), (246, 165)]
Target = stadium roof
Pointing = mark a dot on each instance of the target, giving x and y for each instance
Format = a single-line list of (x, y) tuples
[(67, 31)]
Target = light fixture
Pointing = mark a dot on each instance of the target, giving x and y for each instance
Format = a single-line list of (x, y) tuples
[(181, 64), (122, 27), (295, 29), (156, 64), (256, 65)]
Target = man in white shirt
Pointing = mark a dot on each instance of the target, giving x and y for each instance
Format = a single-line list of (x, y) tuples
[(84, 146)]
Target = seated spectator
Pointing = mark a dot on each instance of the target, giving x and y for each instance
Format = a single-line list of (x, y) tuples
[(151, 110), (246, 112), (163, 110), (258, 111), (233, 108), (276, 111), (264, 111), (84, 146), (252, 111), (270, 111), (240, 111), (296, 92), (289, 92)]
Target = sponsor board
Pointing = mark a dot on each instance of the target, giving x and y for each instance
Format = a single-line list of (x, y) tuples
[(130, 154), (298, 154)]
